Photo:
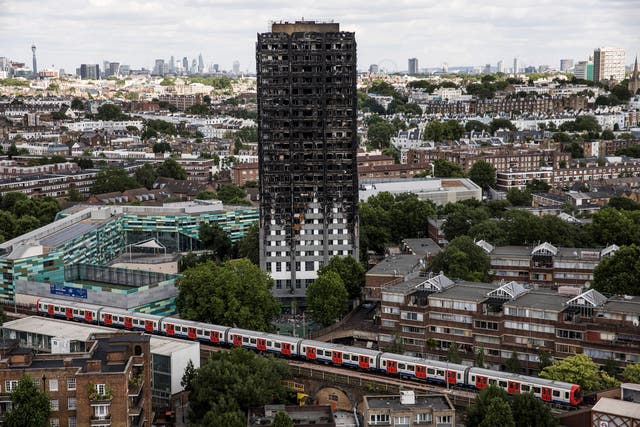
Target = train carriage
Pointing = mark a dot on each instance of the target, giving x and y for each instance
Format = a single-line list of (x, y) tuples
[(204, 332), (262, 341), (429, 370), (338, 354), (69, 310), (547, 390), (129, 320)]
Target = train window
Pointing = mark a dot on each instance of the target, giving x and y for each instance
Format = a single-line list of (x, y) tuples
[(566, 394), (431, 371), (199, 332), (502, 383), (473, 378), (492, 381), (245, 339), (81, 312), (354, 357), (277, 345), (252, 340), (411, 368), (75, 311), (371, 360), (384, 363), (556, 393), (536, 390), (525, 388), (402, 366), (270, 344), (459, 376), (440, 373)]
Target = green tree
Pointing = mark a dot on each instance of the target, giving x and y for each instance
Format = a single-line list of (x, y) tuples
[(7, 225), (623, 203), (161, 147), (479, 362), (619, 273), (519, 197), (529, 411), (463, 259), (477, 412), (77, 104), (453, 354), (446, 169), (451, 130), (215, 239), (146, 175), (483, 174), (327, 298), (379, 134), (578, 369), (497, 124), (230, 383), (73, 195), (577, 152), (498, 414), (188, 376), (350, 271), (476, 126), (282, 419), (513, 363), (231, 293), (113, 179), (111, 112), (231, 194), (198, 109), (248, 245), (161, 126), (631, 373), (171, 169), (30, 406), (26, 223), (544, 359)]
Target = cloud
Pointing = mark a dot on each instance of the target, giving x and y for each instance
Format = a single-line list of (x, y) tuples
[(459, 32)]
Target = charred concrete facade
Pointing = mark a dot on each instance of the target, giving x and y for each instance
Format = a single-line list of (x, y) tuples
[(307, 151)]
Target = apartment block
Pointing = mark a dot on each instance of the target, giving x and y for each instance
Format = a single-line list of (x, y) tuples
[(609, 64), (409, 409)]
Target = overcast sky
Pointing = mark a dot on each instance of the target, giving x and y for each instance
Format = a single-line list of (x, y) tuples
[(458, 32)]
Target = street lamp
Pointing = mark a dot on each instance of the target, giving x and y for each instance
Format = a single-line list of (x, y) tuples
[(44, 382)]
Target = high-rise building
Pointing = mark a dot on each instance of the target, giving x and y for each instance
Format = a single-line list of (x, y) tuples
[(158, 68), (90, 71), (35, 62), (194, 66), (515, 66), (413, 65), (200, 64), (487, 69), (236, 67), (172, 65), (500, 66), (566, 64), (583, 70), (216, 68), (307, 150), (185, 65), (114, 68), (373, 68), (608, 64), (445, 67)]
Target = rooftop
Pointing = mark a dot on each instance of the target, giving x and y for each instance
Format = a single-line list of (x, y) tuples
[(435, 402), (542, 299), (396, 265), (618, 407), (468, 291), (422, 247)]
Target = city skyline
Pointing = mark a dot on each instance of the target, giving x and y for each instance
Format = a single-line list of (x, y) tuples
[(387, 33)]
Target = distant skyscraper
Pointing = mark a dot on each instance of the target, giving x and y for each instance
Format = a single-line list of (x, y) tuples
[(566, 64), (634, 80), (500, 66), (194, 66), (487, 69), (185, 65), (373, 68), (172, 65), (35, 62), (114, 68), (200, 64), (413, 65), (236, 67), (609, 64), (307, 144), (445, 67), (583, 70), (158, 68), (216, 68), (515, 66), (90, 71)]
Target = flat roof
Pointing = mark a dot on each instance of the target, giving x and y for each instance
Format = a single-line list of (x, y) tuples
[(470, 291), (423, 246), (623, 304), (617, 407), (397, 265), (547, 300), (435, 402)]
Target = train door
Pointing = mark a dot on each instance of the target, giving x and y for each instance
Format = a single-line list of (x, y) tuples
[(50, 309), (128, 323), (261, 344), (513, 387), (392, 367), (451, 377), (88, 316), (148, 325), (191, 333), (237, 340), (363, 362), (169, 328), (546, 394), (107, 319), (214, 336), (311, 353), (481, 382), (68, 313), (286, 348), (336, 357), (421, 372)]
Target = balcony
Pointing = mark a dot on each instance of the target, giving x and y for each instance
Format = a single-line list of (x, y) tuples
[(100, 420)]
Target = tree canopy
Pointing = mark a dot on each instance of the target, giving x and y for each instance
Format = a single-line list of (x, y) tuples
[(113, 179), (249, 245), (231, 293), (619, 273), (350, 271), (215, 239), (463, 259), (20, 214), (579, 369), (327, 298), (483, 174), (30, 406), (230, 383), (451, 130), (446, 169), (171, 169), (111, 112)]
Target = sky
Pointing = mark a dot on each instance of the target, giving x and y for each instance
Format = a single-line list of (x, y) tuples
[(457, 32)]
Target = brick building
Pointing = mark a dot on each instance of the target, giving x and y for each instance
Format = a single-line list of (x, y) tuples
[(109, 385), (429, 314), (241, 173), (409, 410), (539, 104), (182, 102)]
